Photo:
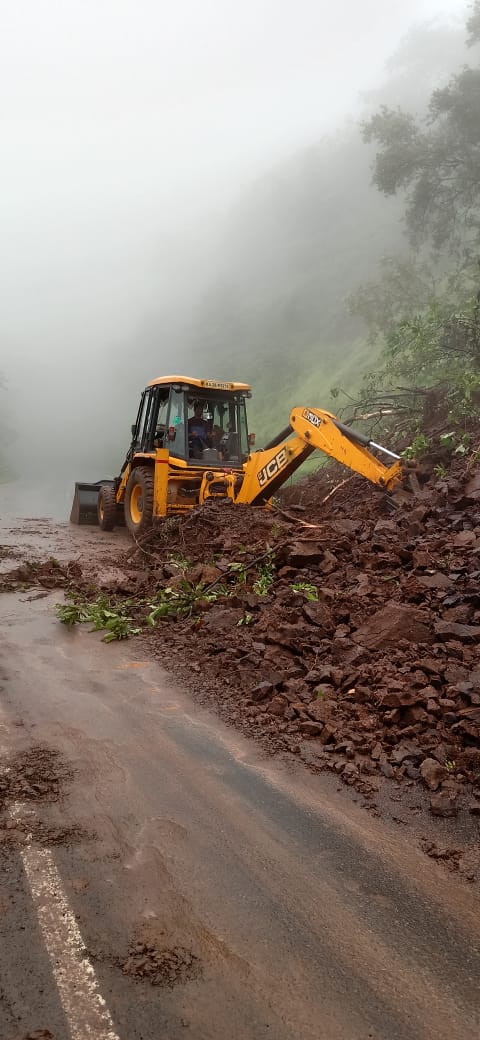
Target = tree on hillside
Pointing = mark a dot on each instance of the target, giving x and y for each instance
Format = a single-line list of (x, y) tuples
[(436, 163), (424, 311)]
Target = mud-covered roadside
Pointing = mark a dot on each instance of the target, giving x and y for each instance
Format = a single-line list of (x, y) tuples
[(340, 628), (29, 780)]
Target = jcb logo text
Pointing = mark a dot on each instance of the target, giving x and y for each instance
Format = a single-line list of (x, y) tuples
[(272, 467), (315, 420)]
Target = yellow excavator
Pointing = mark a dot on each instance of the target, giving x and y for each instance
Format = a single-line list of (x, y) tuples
[(190, 442)]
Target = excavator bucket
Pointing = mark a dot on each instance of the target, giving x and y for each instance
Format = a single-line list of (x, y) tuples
[(85, 500)]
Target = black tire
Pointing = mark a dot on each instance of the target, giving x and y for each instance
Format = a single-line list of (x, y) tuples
[(139, 500), (107, 507)]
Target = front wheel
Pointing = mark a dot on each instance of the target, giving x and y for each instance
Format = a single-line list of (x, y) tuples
[(139, 500), (107, 507)]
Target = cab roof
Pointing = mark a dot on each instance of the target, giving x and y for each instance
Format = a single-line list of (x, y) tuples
[(204, 384)]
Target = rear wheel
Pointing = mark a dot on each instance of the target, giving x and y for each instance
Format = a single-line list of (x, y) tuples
[(107, 507), (139, 500)]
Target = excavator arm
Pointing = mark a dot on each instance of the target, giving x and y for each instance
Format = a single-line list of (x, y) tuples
[(310, 429)]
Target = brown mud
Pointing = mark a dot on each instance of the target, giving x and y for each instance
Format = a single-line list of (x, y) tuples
[(29, 778), (160, 966)]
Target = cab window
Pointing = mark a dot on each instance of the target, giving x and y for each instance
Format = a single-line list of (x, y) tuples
[(217, 429), (176, 424)]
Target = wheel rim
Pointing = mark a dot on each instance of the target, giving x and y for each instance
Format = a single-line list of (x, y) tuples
[(101, 510), (136, 504)]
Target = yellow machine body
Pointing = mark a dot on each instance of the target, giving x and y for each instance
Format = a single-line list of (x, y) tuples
[(169, 470)]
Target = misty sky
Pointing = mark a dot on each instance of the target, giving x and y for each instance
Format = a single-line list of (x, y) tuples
[(107, 102), (125, 123)]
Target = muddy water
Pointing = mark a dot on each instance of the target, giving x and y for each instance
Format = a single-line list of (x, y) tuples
[(38, 539), (303, 917)]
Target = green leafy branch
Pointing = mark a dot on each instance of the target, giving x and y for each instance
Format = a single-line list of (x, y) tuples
[(114, 620), (172, 602)]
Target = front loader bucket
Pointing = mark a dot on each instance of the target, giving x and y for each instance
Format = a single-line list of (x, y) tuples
[(85, 499)]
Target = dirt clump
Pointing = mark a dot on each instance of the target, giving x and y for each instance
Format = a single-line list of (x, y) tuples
[(161, 966), (49, 574), (17, 831), (38, 1034), (33, 775), (36, 776)]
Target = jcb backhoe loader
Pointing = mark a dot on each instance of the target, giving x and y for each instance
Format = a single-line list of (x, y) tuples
[(190, 442)]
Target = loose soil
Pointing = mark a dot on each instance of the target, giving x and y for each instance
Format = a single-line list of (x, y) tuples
[(160, 966), (33, 775), (37, 775)]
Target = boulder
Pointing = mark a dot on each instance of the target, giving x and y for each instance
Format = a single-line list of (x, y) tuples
[(261, 691), (455, 630), (303, 554), (395, 621), (432, 773), (310, 729)]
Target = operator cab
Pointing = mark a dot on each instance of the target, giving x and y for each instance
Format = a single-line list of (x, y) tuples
[(201, 422)]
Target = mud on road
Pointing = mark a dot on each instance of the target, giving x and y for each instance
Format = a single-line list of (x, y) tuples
[(200, 888), (341, 628)]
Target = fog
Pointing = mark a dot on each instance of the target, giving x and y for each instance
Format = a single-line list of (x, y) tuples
[(138, 139)]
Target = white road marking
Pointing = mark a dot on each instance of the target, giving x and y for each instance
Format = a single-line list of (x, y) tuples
[(85, 1009)]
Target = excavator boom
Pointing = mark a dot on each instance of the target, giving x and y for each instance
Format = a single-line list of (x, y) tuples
[(310, 429)]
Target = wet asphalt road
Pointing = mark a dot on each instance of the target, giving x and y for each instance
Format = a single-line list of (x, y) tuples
[(309, 919)]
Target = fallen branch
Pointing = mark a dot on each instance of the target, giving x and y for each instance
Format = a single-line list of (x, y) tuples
[(337, 488), (295, 519)]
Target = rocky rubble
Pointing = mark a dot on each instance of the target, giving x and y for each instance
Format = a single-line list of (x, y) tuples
[(363, 653), (49, 574)]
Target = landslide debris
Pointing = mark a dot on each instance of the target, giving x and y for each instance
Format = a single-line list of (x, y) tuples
[(342, 627), (49, 574), (346, 631)]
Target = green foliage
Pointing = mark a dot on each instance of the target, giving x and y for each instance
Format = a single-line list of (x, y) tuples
[(182, 601), (180, 561), (310, 590), (419, 448), (72, 613), (429, 358), (435, 162), (239, 570), (245, 620), (266, 576), (102, 614), (448, 441), (424, 316)]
